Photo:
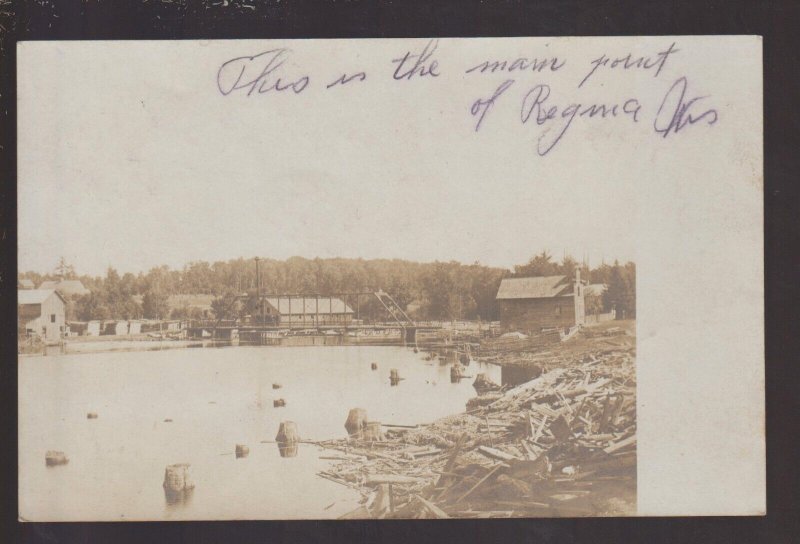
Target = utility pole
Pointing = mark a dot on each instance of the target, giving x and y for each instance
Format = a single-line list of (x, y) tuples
[(258, 292)]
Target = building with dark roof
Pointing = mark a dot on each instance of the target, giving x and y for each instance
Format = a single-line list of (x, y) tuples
[(535, 303)]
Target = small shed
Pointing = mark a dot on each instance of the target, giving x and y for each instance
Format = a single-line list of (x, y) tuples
[(93, 328)]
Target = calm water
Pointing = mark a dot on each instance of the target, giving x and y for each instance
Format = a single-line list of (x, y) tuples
[(216, 398)]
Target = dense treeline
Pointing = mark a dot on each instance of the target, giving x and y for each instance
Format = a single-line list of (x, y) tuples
[(438, 290)]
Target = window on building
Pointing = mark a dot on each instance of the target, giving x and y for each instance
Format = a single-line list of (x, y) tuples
[(52, 318)]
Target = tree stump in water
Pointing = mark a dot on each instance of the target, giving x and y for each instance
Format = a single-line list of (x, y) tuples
[(177, 478), (287, 433), (242, 451), (394, 376), (374, 366), (483, 384), (356, 422), (372, 431), (456, 373), (278, 403), (91, 415), (276, 386)]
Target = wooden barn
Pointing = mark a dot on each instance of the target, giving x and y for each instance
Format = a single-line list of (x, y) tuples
[(532, 304), (307, 311), (41, 312)]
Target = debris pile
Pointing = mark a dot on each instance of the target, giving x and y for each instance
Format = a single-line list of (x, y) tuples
[(562, 444)]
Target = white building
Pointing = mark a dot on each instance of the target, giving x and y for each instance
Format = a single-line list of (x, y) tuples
[(41, 312)]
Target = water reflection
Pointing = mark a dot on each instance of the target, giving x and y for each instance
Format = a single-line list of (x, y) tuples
[(287, 449), (178, 498)]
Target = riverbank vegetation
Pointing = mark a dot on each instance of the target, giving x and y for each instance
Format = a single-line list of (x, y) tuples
[(437, 290)]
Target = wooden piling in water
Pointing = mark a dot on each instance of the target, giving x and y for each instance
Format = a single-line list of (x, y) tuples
[(372, 431), (287, 433), (177, 478), (53, 458), (355, 423)]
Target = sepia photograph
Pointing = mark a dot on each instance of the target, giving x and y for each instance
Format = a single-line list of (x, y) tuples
[(360, 279)]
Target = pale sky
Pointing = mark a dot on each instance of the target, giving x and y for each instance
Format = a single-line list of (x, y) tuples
[(134, 159)]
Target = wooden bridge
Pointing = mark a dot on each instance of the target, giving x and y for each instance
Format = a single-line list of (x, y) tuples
[(292, 313)]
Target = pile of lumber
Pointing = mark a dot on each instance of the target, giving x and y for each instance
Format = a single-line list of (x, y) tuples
[(563, 444)]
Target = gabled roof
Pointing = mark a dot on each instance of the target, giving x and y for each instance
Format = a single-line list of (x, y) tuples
[(326, 305), (35, 296), (66, 287), (25, 283), (536, 287)]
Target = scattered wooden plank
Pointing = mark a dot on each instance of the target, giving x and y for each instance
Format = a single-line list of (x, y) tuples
[(479, 483), (432, 508), (376, 479), (621, 444), (497, 454)]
